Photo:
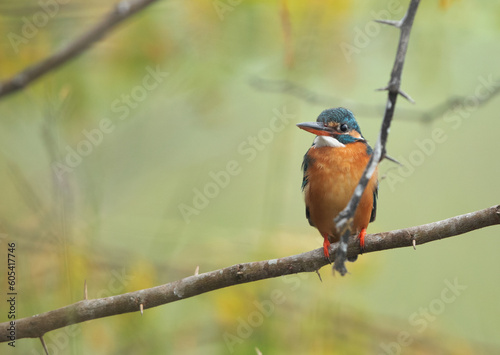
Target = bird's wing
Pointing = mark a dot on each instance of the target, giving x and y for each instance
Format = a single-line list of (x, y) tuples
[(369, 151), (305, 165), (305, 181), (308, 216), (374, 208)]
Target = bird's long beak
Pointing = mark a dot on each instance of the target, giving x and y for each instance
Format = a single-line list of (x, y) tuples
[(316, 128)]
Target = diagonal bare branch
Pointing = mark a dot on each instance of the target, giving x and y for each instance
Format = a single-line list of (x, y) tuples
[(36, 326), (344, 219), (121, 11)]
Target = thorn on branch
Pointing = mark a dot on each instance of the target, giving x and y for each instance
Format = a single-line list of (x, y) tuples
[(382, 89), (43, 344), (319, 275), (399, 91), (141, 308), (394, 160), (406, 96), (413, 240), (85, 292), (197, 270), (391, 22)]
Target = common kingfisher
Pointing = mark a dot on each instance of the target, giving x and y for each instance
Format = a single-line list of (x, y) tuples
[(332, 169)]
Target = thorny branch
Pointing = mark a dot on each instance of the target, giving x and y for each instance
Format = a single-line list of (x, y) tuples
[(344, 219), (122, 11), (36, 326)]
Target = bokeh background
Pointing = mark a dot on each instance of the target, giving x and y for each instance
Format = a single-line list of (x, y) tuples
[(101, 161)]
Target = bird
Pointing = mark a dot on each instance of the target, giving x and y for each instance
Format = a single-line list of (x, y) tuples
[(332, 168)]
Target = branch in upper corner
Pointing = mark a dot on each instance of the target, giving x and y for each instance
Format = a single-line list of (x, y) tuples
[(344, 220), (36, 326), (122, 11)]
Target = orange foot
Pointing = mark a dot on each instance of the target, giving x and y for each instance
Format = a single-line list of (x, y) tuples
[(361, 237), (326, 244)]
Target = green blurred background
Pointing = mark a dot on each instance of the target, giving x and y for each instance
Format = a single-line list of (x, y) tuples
[(225, 71)]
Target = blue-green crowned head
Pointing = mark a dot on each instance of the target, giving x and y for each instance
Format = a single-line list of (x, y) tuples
[(339, 115)]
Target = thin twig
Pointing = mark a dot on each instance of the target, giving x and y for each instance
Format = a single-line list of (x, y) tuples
[(344, 220), (121, 11), (449, 104), (35, 326)]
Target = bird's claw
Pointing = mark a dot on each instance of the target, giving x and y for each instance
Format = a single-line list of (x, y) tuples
[(361, 237), (326, 245)]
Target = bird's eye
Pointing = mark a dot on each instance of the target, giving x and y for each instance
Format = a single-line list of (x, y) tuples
[(343, 127)]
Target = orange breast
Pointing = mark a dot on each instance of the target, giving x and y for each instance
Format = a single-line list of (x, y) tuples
[(333, 174)]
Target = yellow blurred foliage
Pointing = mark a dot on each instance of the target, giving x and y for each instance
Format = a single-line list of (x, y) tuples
[(99, 337), (142, 274), (445, 4), (233, 301)]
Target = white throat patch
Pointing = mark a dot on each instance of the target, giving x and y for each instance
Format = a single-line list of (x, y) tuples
[(325, 141)]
